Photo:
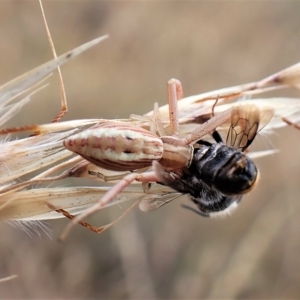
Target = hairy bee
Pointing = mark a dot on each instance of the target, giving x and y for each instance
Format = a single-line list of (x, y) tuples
[(220, 173)]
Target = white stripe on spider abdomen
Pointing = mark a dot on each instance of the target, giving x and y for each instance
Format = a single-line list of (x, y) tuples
[(117, 146)]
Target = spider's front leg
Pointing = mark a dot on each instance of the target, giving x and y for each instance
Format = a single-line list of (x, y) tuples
[(175, 93), (109, 196)]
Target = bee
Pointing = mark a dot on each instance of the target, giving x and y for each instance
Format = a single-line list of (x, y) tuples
[(220, 173)]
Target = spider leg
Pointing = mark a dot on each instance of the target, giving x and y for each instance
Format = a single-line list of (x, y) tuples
[(88, 225), (156, 124), (108, 197), (295, 125), (174, 94), (107, 178), (207, 127)]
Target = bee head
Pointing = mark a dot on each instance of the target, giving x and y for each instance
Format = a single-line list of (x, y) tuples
[(237, 176)]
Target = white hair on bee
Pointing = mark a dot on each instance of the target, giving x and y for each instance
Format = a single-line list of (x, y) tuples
[(224, 213)]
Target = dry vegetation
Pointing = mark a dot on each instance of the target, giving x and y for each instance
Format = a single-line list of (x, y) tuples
[(169, 253)]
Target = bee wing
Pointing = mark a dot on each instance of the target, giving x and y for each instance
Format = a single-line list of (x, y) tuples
[(167, 194), (149, 203), (246, 121)]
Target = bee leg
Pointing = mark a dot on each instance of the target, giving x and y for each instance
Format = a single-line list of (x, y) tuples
[(198, 212), (217, 137)]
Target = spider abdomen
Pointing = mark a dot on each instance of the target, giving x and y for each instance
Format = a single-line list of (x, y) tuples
[(117, 146)]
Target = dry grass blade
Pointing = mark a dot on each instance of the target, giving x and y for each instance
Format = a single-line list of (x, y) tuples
[(39, 203), (25, 81), (25, 156), (289, 76), (8, 278), (197, 108), (64, 105)]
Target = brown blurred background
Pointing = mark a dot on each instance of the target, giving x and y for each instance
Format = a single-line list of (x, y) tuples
[(169, 253)]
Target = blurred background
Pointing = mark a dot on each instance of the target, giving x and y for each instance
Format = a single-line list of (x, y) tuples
[(169, 253)]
